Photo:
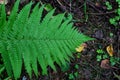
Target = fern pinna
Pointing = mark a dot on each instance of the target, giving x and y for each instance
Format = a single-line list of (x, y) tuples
[(27, 38)]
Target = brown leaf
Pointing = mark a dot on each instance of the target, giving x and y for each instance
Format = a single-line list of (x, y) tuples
[(105, 64)]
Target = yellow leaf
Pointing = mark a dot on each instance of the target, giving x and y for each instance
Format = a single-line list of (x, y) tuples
[(110, 50), (81, 47)]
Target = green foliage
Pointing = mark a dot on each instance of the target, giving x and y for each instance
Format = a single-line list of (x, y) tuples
[(114, 60), (115, 20), (71, 76), (76, 66), (48, 7), (78, 55), (1, 69), (74, 75), (109, 6), (111, 34), (103, 55), (27, 38), (65, 68)]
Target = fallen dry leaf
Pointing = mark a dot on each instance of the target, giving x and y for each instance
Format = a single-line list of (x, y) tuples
[(97, 4), (81, 47), (105, 64), (110, 50), (99, 34)]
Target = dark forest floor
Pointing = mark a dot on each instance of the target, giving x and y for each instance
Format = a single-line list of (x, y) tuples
[(94, 22)]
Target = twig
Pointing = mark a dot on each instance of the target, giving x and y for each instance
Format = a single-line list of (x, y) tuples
[(102, 13), (93, 6), (60, 3)]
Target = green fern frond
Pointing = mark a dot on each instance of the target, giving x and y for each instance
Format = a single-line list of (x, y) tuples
[(28, 38), (2, 17)]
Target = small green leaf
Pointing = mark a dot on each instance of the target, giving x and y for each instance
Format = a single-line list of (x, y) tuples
[(113, 21), (48, 7), (76, 66), (118, 11), (111, 34), (78, 55), (99, 57), (105, 56), (109, 6), (76, 74), (71, 76), (100, 51), (112, 61)]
